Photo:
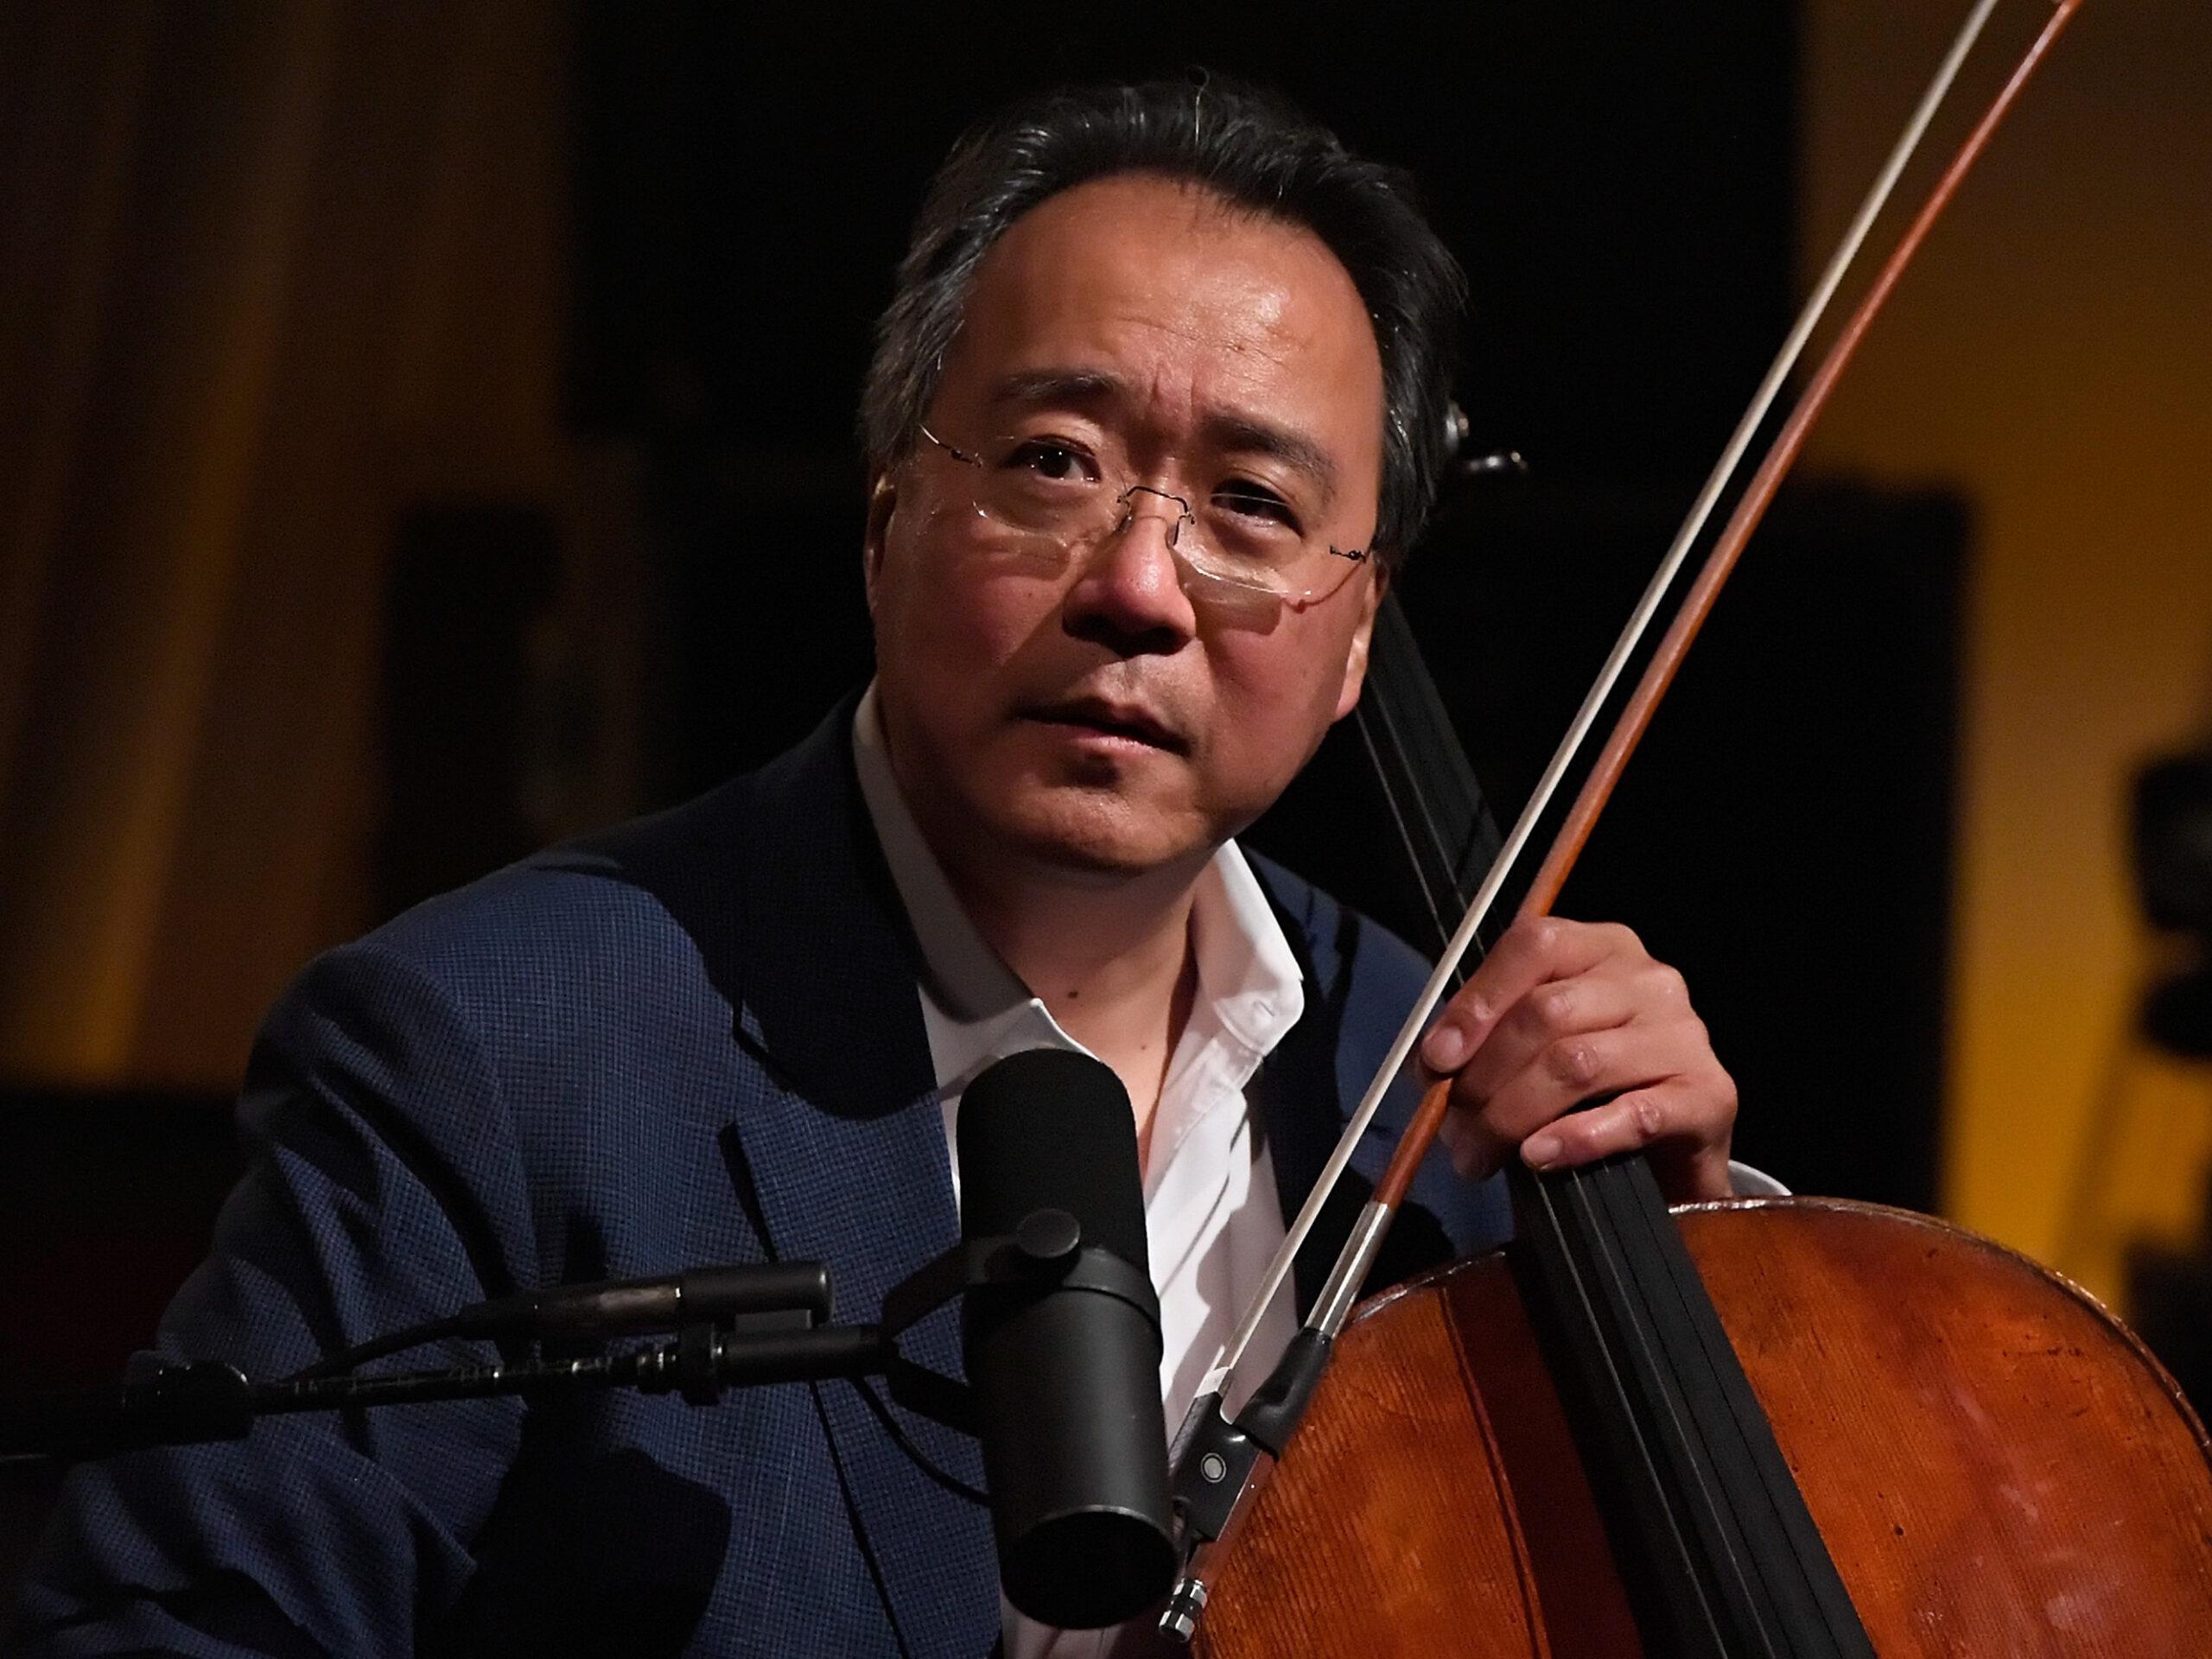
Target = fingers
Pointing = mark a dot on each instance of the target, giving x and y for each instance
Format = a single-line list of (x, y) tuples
[(1610, 996), (1562, 1013), (1674, 1118), (1587, 1065), (1477, 1150), (1533, 952), (1574, 1068)]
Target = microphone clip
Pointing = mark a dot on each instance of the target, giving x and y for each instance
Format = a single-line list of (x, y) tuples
[(1044, 1253)]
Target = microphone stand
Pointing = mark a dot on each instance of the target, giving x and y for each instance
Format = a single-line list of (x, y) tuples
[(203, 1402), (208, 1400)]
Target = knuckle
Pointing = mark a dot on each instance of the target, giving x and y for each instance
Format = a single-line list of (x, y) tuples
[(1624, 939), (1554, 1008), (1724, 1089), (1645, 1113), (1572, 1063)]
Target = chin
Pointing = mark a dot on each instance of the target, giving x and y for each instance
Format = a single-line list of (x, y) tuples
[(1104, 835)]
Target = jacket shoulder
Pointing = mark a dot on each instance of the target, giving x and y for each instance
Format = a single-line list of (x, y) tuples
[(668, 892), (565, 907)]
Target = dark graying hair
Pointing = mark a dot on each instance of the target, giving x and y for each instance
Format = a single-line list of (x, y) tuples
[(1252, 151)]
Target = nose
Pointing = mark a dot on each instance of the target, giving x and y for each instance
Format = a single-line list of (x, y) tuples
[(1128, 592)]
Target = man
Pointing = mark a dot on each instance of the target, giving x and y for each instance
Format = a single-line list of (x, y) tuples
[(1160, 403)]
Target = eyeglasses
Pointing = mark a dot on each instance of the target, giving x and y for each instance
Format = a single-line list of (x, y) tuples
[(1242, 544)]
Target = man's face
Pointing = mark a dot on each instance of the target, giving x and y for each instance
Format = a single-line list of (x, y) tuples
[(1086, 715)]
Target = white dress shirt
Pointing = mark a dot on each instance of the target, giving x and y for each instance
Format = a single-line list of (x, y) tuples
[(1213, 1220)]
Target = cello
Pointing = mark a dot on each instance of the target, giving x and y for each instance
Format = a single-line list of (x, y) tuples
[(1776, 1428)]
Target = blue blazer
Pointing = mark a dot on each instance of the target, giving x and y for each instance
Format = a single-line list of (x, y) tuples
[(693, 1039)]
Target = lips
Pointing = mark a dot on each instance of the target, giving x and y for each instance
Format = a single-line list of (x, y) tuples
[(1112, 718)]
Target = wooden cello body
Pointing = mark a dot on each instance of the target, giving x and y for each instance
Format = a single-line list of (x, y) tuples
[(1997, 1466)]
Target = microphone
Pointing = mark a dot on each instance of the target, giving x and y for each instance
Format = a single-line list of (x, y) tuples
[(1065, 1375), (614, 1308), (618, 1307)]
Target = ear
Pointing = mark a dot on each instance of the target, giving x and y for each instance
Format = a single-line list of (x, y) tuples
[(882, 501), (1362, 637)]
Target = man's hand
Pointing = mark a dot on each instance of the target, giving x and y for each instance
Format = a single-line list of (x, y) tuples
[(1563, 1012)]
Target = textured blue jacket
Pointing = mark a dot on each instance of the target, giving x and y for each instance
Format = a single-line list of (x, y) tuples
[(693, 1039)]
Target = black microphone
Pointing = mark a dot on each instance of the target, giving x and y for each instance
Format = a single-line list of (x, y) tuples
[(1065, 1376)]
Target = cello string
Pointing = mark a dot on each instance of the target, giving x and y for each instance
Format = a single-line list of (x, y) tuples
[(1406, 834), (1639, 622), (1416, 817)]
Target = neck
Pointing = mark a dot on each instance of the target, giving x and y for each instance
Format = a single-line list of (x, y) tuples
[(1110, 955), (1110, 958), (1083, 944)]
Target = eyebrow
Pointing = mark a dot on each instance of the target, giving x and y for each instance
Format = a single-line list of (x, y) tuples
[(1222, 429), (1037, 388)]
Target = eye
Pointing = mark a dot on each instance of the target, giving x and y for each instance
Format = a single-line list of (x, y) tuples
[(1256, 502), (1050, 460)]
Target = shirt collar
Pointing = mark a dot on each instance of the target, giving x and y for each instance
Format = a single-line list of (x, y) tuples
[(1248, 975)]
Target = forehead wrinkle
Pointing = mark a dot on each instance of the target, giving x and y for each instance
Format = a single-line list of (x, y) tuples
[(1039, 388)]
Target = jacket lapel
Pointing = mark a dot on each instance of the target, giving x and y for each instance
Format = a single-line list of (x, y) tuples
[(1308, 1089), (844, 1150)]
